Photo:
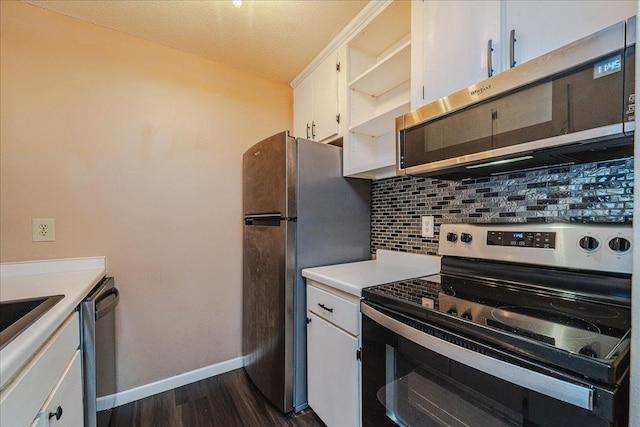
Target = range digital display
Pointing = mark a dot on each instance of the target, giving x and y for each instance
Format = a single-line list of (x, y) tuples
[(522, 239)]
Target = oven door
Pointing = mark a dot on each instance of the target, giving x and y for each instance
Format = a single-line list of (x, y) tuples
[(422, 375)]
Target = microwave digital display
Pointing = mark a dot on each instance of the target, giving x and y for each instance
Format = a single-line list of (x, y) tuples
[(608, 66)]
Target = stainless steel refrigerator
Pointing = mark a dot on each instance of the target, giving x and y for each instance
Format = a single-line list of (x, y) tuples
[(299, 212)]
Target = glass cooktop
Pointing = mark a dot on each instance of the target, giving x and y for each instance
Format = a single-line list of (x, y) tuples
[(543, 324)]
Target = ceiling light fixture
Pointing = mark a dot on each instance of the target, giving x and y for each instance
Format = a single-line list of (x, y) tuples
[(237, 3)]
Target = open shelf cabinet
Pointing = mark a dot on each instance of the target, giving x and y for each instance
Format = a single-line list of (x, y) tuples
[(379, 90)]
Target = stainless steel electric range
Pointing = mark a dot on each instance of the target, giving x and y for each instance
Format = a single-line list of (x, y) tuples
[(525, 325)]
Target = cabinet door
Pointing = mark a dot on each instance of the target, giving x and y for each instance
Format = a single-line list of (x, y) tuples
[(455, 44), (303, 108), (332, 373), (325, 99), (66, 398), (541, 27), (22, 398)]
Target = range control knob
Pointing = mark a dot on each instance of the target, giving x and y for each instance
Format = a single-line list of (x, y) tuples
[(588, 243), (619, 244), (588, 351), (467, 315), (465, 237), (452, 311), (452, 237)]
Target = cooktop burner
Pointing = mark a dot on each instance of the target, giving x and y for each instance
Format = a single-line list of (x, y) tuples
[(510, 315), (514, 316), (585, 311)]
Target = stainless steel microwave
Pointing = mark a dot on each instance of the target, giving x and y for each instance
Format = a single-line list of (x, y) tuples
[(575, 104)]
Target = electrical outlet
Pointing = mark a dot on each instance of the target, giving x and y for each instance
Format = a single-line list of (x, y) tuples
[(427, 302), (427, 226), (43, 230)]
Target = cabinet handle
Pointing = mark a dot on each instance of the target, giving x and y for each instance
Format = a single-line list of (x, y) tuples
[(313, 130), (512, 51), (307, 130), (57, 414), (324, 307), (490, 57)]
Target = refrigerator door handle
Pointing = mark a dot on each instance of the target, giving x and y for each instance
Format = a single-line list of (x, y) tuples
[(272, 220)]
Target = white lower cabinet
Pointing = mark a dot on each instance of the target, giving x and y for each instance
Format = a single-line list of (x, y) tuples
[(333, 335), (64, 405), (333, 394), (51, 379)]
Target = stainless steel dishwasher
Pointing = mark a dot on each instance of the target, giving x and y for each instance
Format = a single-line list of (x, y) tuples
[(98, 349)]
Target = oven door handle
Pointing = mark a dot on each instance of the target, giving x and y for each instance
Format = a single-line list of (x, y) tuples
[(574, 394)]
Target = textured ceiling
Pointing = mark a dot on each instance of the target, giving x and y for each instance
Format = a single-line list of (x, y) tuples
[(276, 39)]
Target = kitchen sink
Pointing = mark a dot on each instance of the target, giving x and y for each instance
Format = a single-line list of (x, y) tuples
[(18, 315)]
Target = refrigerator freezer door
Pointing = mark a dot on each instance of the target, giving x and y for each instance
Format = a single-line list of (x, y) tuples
[(269, 267), (269, 177)]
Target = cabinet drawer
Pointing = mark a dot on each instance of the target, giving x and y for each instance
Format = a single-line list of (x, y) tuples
[(25, 395), (67, 395), (335, 309)]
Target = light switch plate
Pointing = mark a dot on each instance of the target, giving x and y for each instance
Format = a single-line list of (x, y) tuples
[(427, 226), (43, 230)]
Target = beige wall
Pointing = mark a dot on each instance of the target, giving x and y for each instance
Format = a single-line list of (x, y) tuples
[(135, 150)]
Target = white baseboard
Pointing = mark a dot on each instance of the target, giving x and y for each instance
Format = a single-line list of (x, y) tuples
[(137, 393)]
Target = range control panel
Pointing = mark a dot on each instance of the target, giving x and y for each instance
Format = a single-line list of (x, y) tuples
[(522, 239), (600, 247)]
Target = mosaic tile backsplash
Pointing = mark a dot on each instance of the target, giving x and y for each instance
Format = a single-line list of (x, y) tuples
[(599, 192), (410, 290)]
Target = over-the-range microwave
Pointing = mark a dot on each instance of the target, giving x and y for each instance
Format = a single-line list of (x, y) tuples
[(575, 104)]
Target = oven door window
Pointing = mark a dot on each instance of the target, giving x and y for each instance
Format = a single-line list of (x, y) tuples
[(426, 397), (406, 384)]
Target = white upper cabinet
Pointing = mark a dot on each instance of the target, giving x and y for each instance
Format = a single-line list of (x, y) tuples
[(325, 99), (399, 55), (316, 102), (303, 108), (456, 36), (539, 30), (456, 44)]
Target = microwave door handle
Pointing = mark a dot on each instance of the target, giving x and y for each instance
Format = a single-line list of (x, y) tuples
[(512, 50), (490, 57), (574, 394)]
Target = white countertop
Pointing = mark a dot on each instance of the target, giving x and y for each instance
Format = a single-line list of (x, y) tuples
[(390, 266), (73, 278)]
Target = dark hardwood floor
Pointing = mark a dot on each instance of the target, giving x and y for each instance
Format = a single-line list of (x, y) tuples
[(227, 400)]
